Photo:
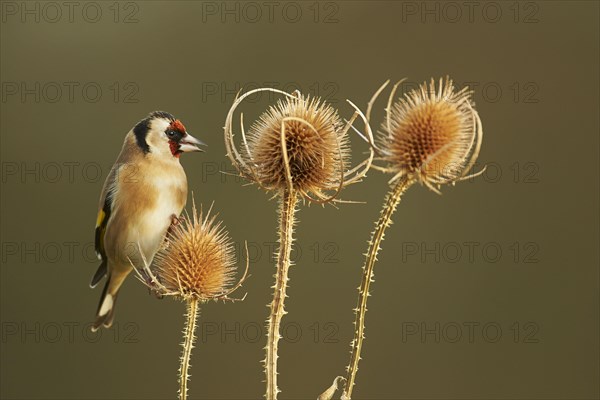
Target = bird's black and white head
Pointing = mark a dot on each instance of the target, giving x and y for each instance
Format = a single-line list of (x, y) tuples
[(161, 134)]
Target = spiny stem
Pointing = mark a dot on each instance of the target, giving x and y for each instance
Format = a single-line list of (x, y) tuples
[(385, 218), (188, 344), (286, 228)]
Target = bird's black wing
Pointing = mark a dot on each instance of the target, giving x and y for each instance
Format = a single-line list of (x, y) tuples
[(101, 222)]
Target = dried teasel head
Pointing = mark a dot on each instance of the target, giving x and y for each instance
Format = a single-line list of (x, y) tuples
[(316, 151), (431, 135), (197, 261), (299, 144)]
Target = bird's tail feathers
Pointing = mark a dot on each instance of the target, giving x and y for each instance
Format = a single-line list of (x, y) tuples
[(100, 273), (106, 308)]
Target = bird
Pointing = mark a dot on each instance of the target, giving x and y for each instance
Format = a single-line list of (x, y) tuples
[(142, 198)]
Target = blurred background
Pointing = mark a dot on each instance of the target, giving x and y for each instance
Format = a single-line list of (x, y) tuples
[(489, 291)]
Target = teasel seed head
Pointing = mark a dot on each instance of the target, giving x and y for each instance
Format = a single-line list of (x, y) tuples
[(299, 143), (315, 149), (197, 261), (432, 135)]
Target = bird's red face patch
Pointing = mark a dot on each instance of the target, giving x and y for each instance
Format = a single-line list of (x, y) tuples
[(176, 131), (174, 147), (177, 126)]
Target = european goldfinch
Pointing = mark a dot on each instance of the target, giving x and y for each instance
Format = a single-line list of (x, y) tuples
[(144, 193)]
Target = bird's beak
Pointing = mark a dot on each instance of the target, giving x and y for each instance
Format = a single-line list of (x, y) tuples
[(189, 143)]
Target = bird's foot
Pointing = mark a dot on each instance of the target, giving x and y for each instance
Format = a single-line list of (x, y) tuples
[(175, 220), (153, 287)]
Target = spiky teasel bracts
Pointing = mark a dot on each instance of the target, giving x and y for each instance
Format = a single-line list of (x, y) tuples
[(196, 265), (298, 144), (432, 136), (315, 151), (299, 149)]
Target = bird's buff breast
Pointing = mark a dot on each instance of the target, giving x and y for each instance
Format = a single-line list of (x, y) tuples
[(147, 214), (154, 221)]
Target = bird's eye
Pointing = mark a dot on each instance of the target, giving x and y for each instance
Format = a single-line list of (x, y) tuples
[(170, 133)]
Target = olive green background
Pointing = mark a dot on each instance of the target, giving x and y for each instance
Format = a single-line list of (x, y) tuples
[(539, 69)]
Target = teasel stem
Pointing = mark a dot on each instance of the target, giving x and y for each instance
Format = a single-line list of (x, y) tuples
[(189, 337), (385, 220), (286, 229)]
